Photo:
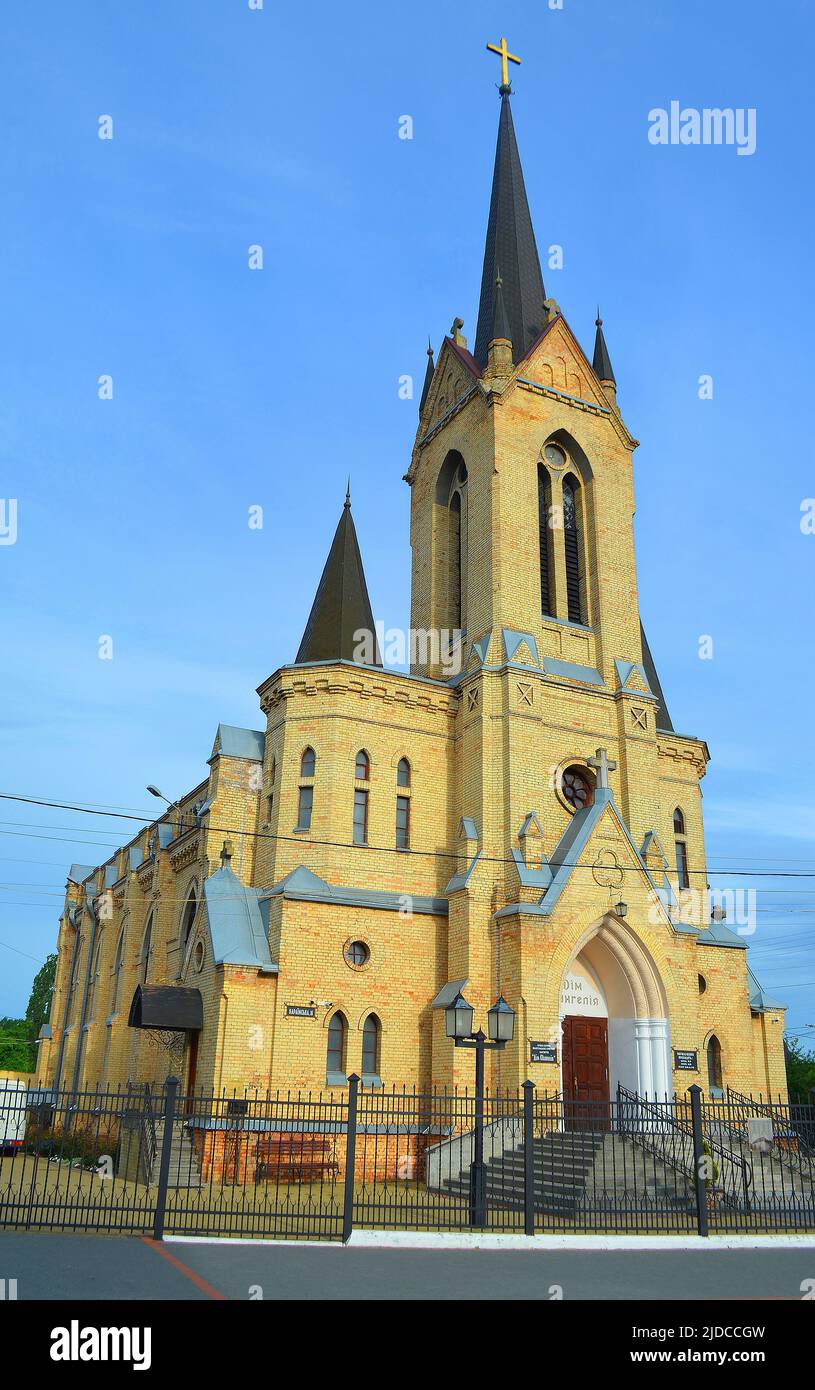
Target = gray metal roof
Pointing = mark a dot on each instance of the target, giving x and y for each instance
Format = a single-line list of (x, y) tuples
[(759, 999), (233, 742), (305, 886), (341, 605), (236, 926), (663, 720), (79, 872)]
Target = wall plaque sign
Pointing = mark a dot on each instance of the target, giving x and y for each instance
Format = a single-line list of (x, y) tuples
[(685, 1060), (300, 1011), (543, 1051)]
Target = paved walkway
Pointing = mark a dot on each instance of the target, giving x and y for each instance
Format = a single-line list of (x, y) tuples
[(131, 1268)]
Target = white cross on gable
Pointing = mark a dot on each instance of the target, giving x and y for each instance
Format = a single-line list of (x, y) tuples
[(602, 765)]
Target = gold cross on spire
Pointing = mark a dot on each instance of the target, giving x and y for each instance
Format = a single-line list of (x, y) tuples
[(506, 59)]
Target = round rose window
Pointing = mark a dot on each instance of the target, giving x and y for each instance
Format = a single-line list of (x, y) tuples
[(578, 789)]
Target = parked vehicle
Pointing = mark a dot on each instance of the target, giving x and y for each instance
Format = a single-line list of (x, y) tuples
[(13, 1114)]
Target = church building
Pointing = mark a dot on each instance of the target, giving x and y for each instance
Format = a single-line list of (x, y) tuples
[(517, 816)]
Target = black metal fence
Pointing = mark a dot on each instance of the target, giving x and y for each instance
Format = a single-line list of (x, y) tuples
[(299, 1166)]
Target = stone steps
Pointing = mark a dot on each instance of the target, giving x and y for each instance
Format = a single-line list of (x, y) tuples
[(184, 1167), (580, 1171)]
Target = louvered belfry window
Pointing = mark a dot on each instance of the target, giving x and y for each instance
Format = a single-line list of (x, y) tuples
[(543, 541), (571, 543)]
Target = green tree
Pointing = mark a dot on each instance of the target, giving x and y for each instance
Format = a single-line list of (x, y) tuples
[(15, 1050), (18, 1036), (42, 992), (800, 1070)]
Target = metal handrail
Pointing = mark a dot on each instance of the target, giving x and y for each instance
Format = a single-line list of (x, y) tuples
[(735, 1173), (782, 1123)]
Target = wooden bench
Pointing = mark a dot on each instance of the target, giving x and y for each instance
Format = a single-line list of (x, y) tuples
[(296, 1157)]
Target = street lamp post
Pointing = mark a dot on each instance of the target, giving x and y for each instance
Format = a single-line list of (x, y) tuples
[(154, 791), (501, 1026)]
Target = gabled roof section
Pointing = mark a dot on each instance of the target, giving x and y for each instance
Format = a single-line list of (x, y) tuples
[(460, 880), (234, 742), (576, 836), (759, 999), (717, 934), (79, 872), (510, 247), (341, 606), (465, 357), (235, 924)]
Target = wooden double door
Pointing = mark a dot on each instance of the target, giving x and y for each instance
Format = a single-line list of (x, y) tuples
[(585, 1073)]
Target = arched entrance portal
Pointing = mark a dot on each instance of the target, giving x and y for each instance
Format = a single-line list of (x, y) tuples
[(614, 1018)]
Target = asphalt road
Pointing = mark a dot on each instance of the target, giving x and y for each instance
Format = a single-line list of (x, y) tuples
[(72, 1267)]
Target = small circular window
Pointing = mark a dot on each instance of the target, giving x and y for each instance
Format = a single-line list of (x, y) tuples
[(198, 956), (577, 787), (702, 984), (554, 456), (356, 954)]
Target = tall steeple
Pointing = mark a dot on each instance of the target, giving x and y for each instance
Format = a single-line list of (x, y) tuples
[(511, 245), (341, 605)]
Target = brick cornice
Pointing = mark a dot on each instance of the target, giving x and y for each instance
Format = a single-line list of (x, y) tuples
[(684, 750), (389, 687)]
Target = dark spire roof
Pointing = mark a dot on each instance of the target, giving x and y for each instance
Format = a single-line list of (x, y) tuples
[(601, 362), (341, 606), (510, 244), (663, 719), (500, 322), (428, 376)]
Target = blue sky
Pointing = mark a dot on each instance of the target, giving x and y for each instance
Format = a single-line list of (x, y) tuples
[(233, 388)]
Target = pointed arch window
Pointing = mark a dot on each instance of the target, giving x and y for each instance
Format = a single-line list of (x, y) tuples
[(681, 844), (545, 540), (187, 924), (270, 792), (147, 950), (458, 549), (449, 541), (371, 1038), (94, 980), (714, 1065), (74, 975), (403, 804), (362, 767), (117, 971), (336, 1049), (572, 547), (305, 796)]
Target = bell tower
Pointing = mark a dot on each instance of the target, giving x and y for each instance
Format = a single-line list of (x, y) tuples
[(521, 477)]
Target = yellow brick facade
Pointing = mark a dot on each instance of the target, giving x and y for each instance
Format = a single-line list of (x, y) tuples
[(471, 899)]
